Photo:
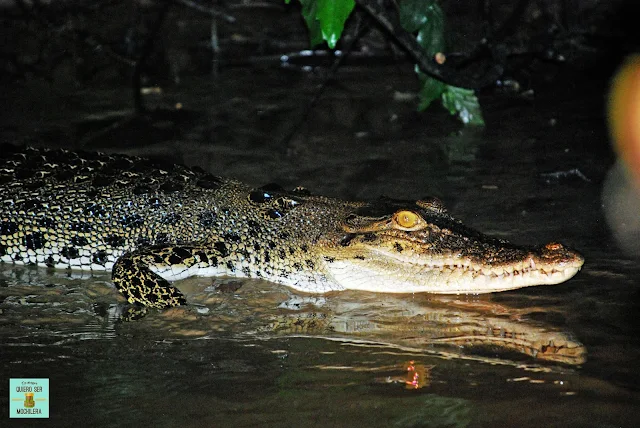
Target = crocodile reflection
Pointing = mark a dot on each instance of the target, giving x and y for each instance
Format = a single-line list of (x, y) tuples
[(417, 324)]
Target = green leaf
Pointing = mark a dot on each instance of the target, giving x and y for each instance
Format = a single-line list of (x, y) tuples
[(411, 14), (309, 13), (325, 19), (431, 90), (332, 15), (425, 18), (463, 102)]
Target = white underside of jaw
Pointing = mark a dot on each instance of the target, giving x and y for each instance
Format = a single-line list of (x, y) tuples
[(309, 282), (442, 279)]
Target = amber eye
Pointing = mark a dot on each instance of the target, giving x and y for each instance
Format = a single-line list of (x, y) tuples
[(406, 219)]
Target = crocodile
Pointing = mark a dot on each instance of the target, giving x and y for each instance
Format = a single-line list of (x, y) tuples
[(151, 222)]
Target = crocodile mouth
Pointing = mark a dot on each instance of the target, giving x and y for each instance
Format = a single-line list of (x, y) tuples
[(388, 271)]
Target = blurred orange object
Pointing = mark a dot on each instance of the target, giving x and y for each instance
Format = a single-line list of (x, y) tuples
[(624, 115)]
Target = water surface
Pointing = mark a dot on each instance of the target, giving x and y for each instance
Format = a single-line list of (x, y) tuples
[(250, 353)]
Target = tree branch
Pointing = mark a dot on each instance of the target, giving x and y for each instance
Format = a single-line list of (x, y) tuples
[(427, 65)]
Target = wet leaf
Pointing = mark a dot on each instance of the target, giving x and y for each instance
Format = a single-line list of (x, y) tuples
[(332, 15), (412, 16), (309, 13), (427, 19), (431, 90), (463, 102), (325, 19)]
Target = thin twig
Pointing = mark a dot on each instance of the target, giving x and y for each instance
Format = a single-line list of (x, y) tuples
[(360, 30), (91, 136), (427, 65), (209, 10)]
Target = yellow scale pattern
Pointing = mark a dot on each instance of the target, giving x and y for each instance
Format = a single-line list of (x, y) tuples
[(150, 222)]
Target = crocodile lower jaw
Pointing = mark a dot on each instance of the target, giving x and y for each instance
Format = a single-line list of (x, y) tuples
[(446, 279)]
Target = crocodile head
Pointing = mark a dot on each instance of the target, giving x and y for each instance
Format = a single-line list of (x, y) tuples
[(404, 247)]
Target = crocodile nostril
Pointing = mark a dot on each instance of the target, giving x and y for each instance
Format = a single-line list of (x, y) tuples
[(554, 246)]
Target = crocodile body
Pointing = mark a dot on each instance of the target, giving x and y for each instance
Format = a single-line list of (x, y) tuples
[(151, 223)]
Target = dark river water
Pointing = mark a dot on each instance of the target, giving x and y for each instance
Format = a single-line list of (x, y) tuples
[(250, 353)]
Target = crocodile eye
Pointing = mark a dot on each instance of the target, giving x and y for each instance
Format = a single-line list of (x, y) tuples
[(406, 219)]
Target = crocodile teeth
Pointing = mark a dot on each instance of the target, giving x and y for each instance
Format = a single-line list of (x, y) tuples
[(498, 271)]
